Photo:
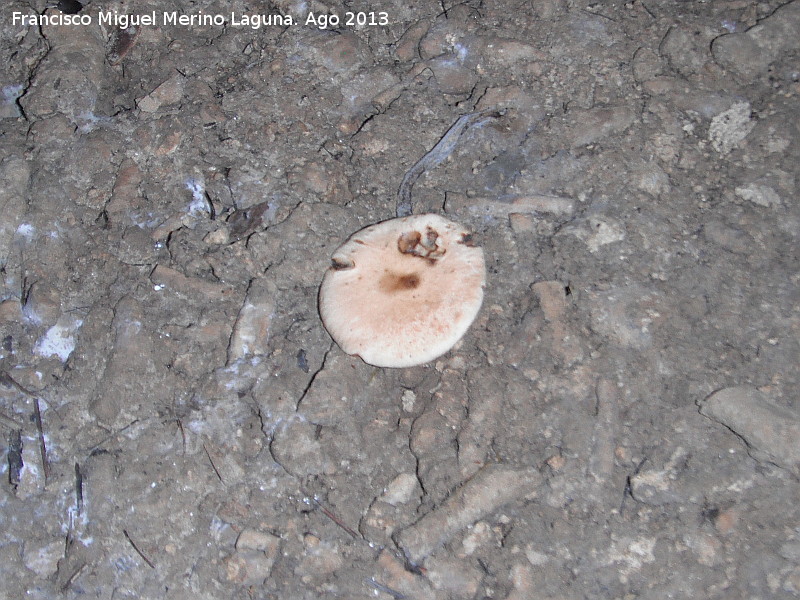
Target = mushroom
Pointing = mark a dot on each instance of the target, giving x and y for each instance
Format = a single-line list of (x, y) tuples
[(402, 292)]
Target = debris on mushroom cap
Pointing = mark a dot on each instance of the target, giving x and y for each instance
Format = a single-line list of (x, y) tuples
[(402, 292)]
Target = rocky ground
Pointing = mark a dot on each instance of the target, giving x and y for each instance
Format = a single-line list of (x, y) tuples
[(622, 419)]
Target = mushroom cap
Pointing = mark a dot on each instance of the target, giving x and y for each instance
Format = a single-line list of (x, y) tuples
[(402, 292)]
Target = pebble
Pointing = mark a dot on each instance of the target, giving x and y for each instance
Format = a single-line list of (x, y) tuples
[(771, 430), (15, 173), (523, 582), (592, 125), (10, 311), (704, 546), (553, 302), (760, 195), (44, 560), (253, 539), (247, 567), (457, 578), (483, 421), (602, 232), (460, 204), (646, 65), (252, 328), (686, 51), (726, 521), (193, 287), (298, 449), (43, 304), (730, 127), (401, 489), (505, 52), (320, 560), (451, 76), (168, 93), (71, 75), (131, 366), (407, 49), (749, 54), (395, 576), (60, 339), (487, 491)]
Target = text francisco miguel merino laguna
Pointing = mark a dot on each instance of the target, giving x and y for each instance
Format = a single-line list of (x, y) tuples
[(254, 21)]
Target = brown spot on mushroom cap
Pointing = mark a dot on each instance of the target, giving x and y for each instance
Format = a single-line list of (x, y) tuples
[(392, 283), (410, 290)]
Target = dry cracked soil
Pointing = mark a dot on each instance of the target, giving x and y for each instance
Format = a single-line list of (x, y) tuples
[(622, 419)]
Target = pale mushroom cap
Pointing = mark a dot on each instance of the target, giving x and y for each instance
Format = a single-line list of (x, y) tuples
[(402, 292)]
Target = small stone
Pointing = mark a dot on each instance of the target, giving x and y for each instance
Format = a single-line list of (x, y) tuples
[(169, 92), (15, 175), (394, 575), (765, 426), (60, 339), (252, 328), (705, 547), (10, 311), (592, 125), (479, 535), (536, 558), (407, 48), (313, 177), (524, 204), (408, 399), (217, 237), (488, 490), (646, 65), (603, 232), (521, 223), (730, 127), (247, 567), (652, 179), (686, 51), (460, 579), (726, 521), (760, 195), (749, 54), (507, 52), (171, 280), (556, 462), (791, 551), (401, 489), (653, 487), (252, 539), (43, 560), (319, 562), (452, 76)]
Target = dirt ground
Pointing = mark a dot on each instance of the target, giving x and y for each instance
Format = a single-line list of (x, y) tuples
[(622, 418)]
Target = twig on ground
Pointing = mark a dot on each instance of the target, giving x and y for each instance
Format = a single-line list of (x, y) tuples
[(335, 519), (439, 153), (78, 489), (42, 446), (15, 463), (73, 577), (139, 552), (213, 466), (386, 590)]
